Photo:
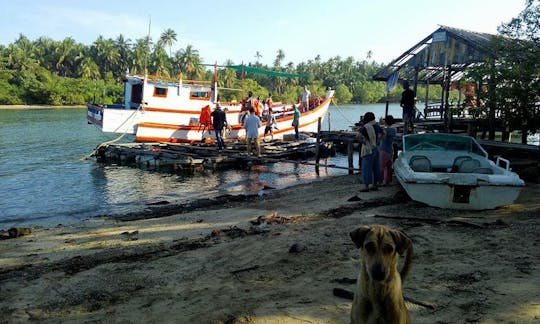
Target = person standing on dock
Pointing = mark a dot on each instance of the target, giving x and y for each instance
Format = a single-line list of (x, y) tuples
[(407, 103), (296, 122), (219, 121), (270, 124), (252, 124), (371, 133), (305, 99)]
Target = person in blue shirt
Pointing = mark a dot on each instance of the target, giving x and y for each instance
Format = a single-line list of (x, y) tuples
[(296, 122), (252, 124), (386, 150)]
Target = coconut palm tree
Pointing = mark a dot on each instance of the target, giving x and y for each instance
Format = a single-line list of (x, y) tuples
[(159, 61), (68, 55), (106, 54), (189, 62), (139, 60), (229, 76), (279, 58), (258, 56), (124, 50), (89, 69), (168, 37)]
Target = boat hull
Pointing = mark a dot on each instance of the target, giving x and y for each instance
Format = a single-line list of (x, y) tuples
[(162, 110), (461, 196), (454, 172), (190, 132)]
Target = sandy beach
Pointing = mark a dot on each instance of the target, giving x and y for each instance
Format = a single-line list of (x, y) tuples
[(274, 259)]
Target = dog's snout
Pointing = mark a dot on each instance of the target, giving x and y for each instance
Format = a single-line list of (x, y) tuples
[(377, 272)]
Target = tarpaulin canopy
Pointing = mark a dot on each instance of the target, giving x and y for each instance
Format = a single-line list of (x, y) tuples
[(250, 69)]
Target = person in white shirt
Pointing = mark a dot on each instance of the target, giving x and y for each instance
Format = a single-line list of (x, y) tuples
[(252, 124), (305, 99)]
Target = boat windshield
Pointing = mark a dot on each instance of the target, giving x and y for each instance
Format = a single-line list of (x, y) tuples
[(441, 142)]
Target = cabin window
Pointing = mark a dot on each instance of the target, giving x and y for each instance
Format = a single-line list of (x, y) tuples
[(201, 95), (160, 92)]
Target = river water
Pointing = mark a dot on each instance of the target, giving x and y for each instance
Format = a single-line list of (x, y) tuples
[(44, 180)]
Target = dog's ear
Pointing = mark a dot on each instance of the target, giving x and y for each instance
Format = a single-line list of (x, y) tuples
[(359, 234), (403, 242)]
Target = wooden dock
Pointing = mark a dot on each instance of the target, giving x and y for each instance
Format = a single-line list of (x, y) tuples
[(190, 158)]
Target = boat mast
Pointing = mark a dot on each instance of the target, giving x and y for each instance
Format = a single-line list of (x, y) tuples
[(215, 85)]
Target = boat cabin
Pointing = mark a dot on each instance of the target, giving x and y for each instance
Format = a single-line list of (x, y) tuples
[(161, 92)]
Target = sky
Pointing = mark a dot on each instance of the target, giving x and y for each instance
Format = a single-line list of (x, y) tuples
[(237, 29)]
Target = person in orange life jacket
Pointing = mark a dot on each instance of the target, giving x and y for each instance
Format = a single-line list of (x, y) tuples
[(269, 101), (257, 106)]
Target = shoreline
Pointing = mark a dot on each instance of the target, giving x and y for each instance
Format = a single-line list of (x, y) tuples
[(274, 259), (35, 107)]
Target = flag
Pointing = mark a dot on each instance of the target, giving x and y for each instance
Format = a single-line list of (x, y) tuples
[(391, 81)]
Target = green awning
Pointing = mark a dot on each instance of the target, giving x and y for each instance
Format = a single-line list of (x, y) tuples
[(250, 69)]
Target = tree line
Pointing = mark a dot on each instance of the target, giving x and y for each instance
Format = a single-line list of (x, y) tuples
[(66, 72)]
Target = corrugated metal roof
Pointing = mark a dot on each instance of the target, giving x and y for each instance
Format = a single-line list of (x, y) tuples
[(445, 47)]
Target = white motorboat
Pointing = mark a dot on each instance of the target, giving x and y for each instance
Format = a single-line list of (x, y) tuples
[(454, 171)]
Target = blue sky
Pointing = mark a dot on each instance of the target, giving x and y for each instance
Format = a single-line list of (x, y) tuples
[(237, 29)]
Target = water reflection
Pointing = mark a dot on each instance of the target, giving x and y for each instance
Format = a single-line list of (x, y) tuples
[(122, 189)]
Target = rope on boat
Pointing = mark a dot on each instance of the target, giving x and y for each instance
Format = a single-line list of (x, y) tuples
[(341, 112), (84, 158)]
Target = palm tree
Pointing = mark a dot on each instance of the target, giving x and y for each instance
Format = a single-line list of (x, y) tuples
[(89, 69), (258, 56), (369, 54), (159, 61), (139, 60), (44, 51), (68, 54), (279, 58), (124, 50), (189, 62), (168, 37)]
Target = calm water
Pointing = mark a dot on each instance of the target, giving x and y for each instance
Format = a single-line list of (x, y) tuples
[(43, 180)]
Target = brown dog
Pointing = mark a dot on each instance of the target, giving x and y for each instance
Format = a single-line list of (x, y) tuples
[(378, 297)]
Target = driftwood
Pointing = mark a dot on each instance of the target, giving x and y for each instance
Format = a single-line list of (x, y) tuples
[(255, 267), (432, 221), (347, 294)]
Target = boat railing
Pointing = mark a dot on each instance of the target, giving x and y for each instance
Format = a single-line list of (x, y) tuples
[(174, 80)]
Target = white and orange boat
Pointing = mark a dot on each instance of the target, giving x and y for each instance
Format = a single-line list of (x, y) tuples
[(157, 109)]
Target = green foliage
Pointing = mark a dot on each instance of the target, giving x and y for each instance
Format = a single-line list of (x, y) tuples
[(510, 84), (342, 94), (65, 72)]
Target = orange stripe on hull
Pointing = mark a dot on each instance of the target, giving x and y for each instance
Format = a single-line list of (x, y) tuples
[(181, 111)]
